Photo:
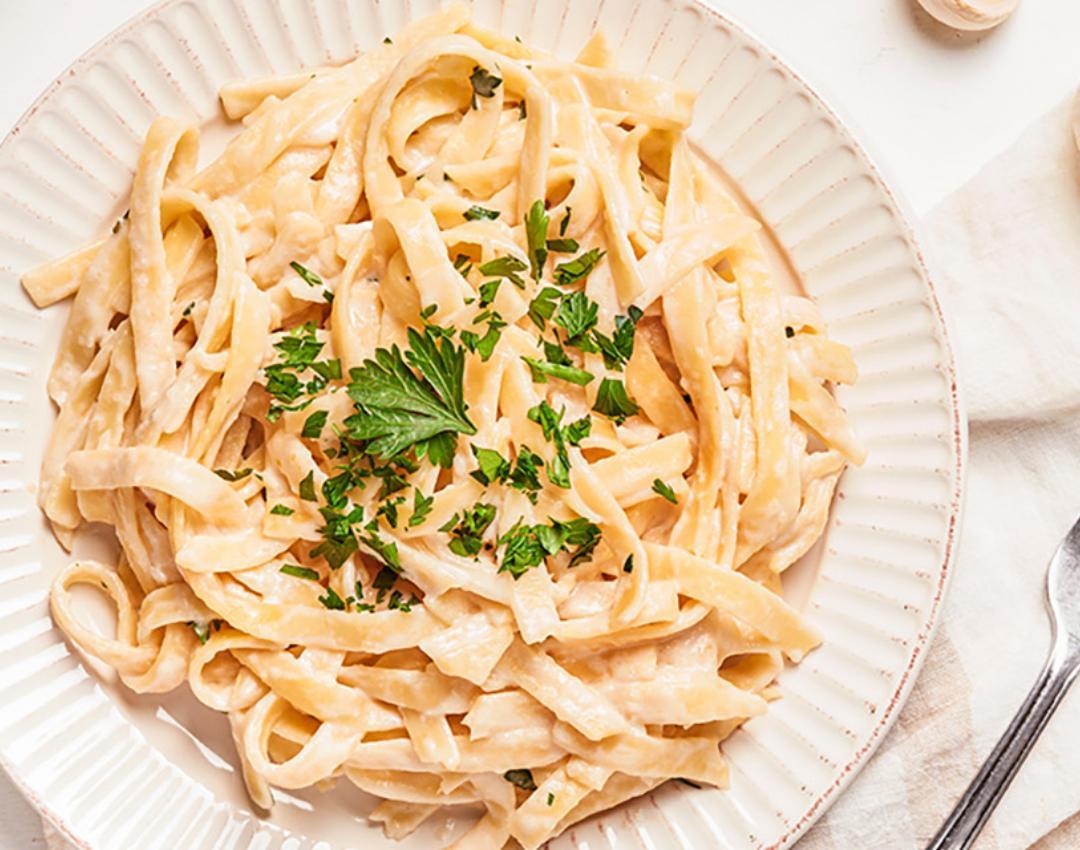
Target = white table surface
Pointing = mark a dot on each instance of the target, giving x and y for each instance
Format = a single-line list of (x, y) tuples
[(932, 106)]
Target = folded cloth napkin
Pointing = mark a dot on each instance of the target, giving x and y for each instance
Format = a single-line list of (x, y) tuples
[(1004, 253)]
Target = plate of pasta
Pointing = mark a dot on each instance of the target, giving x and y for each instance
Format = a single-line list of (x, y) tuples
[(466, 426)]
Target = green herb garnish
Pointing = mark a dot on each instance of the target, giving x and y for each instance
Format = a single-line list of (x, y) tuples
[(314, 424), (523, 779), (282, 510), (422, 506), (233, 475), (477, 213), (536, 227), (612, 401), (664, 490), (399, 410), (299, 572), (578, 268), (307, 275), (542, 371), (483, 83)]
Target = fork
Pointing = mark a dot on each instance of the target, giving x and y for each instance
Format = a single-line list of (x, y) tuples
[(987, 788)]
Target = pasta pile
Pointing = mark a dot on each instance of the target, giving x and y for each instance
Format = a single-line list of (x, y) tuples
[(452, 432)]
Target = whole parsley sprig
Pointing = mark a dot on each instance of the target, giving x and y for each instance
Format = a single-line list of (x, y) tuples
[(398, 409)]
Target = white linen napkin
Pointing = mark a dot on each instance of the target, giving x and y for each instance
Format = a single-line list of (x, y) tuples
[(1004, 253), (1005, 256)]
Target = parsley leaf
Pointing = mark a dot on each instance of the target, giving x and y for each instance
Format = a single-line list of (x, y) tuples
[(612, 400), (523, 779), (300, 572), (541, 372), (422, 506), (628, 564), (542, 307), (476, 213), (467, 535), (526, 474), (536, 227), (332, 601), (307, 487), (494, 468), (282, 510), (578, 430), (577, 315), (388, 552), (664, 490), (484, 345), (398, 410), (509, 267), (524, 549), (233, 475), (578, 268), (314, 424), (299, 351), (565, 223), (488, 291), (483, 83), (307, 275), (619, 347), (562, 246)]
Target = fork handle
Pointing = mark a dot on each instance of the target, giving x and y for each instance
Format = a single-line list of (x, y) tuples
[(985, 791)]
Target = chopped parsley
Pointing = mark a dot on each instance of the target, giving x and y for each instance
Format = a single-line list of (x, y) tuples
[(509, 267), (628, 564), (387, 552), (578, 268), (565, 222), (488, 290), (542, 371), (562, 245), (307, 487), (522, 778), (202, 630), (550, 799), (493, 467), (233, 475), (526, 546), (314, 424), (618, 348), (526, 474), (664, 490), (467, 532), (577, 315), (550, 423), (306, 275), (299, 572), (542, 307), (286, 381), (536, 227), (422, 506), (397, 409), (483, 83), (476, 213), (282, 510), (612, 401), (332, 601), (484, 345)]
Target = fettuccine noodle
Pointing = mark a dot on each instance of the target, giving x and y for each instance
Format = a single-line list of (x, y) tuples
[(453, 431)]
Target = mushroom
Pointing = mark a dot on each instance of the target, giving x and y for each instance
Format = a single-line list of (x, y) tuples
[(970, 14)]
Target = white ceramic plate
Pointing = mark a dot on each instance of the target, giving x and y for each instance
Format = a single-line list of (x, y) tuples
[(115, 770)]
